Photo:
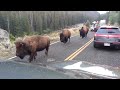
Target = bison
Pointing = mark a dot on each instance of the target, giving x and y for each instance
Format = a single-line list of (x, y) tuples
[(84, 31), (65, 35), (30, 45)]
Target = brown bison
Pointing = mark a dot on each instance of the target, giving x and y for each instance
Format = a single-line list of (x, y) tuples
[(65, 35), (84, 31), (30, 45)]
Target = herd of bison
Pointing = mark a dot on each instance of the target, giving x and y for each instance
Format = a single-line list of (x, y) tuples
[(30, 45)]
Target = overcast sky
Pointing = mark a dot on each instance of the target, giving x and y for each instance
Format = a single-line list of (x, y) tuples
[(102, 12)]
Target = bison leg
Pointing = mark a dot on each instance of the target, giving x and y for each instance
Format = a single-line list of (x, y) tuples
[(46, 52), (86, 35), (32, 56), (30, 59), (80, 35), (35, 55), (69, 39), (66, 39)]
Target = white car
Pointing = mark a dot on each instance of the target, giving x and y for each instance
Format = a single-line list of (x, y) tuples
[(92, 28)]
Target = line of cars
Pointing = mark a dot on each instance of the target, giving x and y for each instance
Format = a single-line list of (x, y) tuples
[(96, 24)]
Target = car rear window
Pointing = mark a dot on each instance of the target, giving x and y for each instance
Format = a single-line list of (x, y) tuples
[(102, 31), (108, 30)]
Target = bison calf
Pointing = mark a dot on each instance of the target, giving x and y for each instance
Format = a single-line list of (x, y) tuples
[(65, 35), (30, 45)]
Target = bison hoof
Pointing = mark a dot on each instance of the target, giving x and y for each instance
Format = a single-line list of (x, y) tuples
[(46, 53), (34, 57), (30, 61)]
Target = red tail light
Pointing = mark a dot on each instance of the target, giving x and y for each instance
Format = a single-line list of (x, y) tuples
[(95, 35)]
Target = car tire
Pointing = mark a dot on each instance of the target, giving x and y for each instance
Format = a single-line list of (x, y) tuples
[(117, 47), (95, 45)]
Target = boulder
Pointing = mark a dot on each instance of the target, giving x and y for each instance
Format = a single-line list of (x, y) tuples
[(4, 38)]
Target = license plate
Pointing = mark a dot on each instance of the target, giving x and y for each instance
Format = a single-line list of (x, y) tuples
[(106, 44)]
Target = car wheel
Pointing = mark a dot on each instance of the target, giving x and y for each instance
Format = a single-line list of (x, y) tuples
[(95, 45), (117, 47)]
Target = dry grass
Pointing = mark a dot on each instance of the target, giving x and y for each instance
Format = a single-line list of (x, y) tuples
[(7, 53)]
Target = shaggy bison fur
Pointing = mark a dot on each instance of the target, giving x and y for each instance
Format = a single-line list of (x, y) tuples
[(65, 35), (30, 45)]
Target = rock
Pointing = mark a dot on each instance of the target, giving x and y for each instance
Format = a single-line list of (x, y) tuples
[(4, 38)]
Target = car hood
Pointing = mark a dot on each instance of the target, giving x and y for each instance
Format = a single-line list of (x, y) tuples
[(91, 71)]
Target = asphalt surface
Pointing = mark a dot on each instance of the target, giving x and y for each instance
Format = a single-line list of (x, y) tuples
[(87, 70), (58, 52), (103, 56), (15, 70)]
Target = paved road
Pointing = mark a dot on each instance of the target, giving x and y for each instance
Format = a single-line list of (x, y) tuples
[(15, 70), (59, 52), (103, 56), (87, 70)]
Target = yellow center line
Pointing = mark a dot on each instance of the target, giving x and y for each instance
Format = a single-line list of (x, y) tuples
[(78, 50)]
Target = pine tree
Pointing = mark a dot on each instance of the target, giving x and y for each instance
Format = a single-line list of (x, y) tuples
[(87, 23), (119, 17)]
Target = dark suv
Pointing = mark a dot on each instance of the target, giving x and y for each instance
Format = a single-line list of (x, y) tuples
[(107, 36)]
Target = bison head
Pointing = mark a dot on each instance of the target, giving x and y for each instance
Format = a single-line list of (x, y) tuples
[(21, 49), (63, 38)]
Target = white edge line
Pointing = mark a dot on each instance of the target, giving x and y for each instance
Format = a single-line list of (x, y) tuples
[(54, 42), (12, 57), (50, 44)]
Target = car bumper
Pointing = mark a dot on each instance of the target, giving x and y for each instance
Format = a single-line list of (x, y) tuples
[(103, 43)]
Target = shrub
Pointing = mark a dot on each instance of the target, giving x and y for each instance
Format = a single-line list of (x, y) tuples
[(12, 38)]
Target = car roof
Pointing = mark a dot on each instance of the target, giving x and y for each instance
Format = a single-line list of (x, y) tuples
[(106, 26)]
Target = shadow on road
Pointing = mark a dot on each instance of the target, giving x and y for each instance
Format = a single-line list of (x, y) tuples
[(111, 49)]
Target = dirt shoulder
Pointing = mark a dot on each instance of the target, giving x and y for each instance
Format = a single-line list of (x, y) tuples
[(54, 36)]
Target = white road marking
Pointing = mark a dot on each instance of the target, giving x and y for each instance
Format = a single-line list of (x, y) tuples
[(12, 57), (54, 42)]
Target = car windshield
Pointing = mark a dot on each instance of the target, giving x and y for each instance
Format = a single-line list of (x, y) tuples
[(59, 45)]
